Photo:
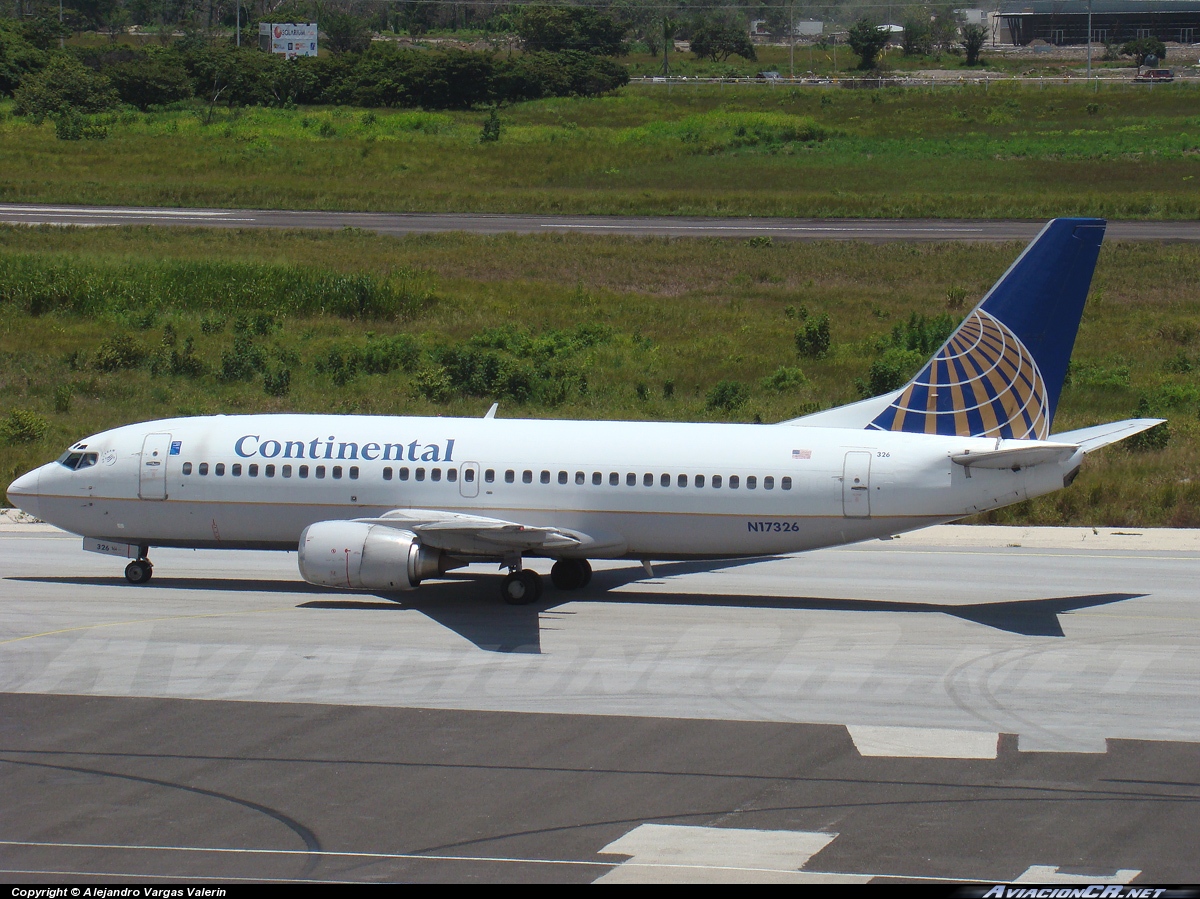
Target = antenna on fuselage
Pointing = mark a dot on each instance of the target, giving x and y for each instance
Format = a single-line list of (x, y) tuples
[(491, 413)]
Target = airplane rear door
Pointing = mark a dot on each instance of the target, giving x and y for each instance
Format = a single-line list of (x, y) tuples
[(856, 485), (152, 478)]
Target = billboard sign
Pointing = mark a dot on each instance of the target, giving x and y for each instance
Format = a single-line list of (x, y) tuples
[(291, 39)]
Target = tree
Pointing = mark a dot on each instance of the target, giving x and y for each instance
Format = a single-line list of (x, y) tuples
[(868, 41), (1143, 47), (917, 40), (556, 28), (344, 31), (718, 41), (974, 37), (64, 85)]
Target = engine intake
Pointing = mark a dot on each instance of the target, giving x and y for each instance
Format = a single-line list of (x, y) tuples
[(354, 555)]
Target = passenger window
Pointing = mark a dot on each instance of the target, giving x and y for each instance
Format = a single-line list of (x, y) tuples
[(510, 476), (786, 483), (219, 469), (435, 474), (353, 472), (269, 471), (235, 469), (613, 479), (320, 472), (768, 483), (303, 471), (452, 474), (337, 472), (751, 482), (419, 474), (489, 476), (469, 476), (648, 480), (699, 480), (253, 471), (287, 471), (716, 482), (734, 481), (664, 480), (203, 468), (597, 479), (631, 480), (545, 477), (527, 476), (580, 477), (402, 474), (562, 477), (387, 473), (682, 480), (187, 467)]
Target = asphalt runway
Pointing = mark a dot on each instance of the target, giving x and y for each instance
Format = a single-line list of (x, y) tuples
[(866, 230), (998, 707)]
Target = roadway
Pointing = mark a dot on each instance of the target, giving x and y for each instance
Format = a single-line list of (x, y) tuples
[(868, 230), (962, 704)]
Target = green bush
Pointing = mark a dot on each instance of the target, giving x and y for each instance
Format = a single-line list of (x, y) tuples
[(783, 379), (890, 371), (813, 340), (727, 396), (23, 426), (118, 353)]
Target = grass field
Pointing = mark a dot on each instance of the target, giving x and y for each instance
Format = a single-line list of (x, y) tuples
[(102, 327), (1004, 151)]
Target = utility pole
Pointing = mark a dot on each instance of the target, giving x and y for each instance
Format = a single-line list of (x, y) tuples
[(1089, 40), (792, 40)]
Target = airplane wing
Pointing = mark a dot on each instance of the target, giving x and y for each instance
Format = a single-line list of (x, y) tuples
[(457, 532)]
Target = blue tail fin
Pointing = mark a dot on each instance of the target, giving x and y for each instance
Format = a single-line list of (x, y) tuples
[(1000, 374)]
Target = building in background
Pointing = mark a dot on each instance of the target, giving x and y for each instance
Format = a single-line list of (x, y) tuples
[(1113, 21)]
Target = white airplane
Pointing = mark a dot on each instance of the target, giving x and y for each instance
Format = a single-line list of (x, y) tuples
[(381, 503)]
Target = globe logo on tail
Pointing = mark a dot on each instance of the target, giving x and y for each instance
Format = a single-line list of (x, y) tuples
[(982, 383)]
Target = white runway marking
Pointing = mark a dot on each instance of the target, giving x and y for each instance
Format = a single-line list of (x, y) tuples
[(923, 742), (687, 855), (1049, 874)]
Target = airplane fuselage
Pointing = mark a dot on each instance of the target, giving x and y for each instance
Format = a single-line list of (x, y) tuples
[(640, 489)]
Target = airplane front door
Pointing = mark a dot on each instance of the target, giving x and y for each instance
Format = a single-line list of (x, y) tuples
[(468, 479), (152, 477), (856, 485)]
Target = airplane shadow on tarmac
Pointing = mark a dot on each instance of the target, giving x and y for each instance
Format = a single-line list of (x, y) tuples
[(470, 605)]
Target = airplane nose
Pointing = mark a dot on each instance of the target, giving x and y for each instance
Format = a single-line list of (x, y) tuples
[(23, 493)]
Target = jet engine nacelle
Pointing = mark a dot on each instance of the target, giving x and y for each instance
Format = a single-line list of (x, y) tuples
[(358, 556)]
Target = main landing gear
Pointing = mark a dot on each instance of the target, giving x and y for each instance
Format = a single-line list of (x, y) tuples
[(523, 586), (139, 571), (571, 574)]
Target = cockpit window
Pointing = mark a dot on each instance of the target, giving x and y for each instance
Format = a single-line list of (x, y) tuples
[(76, 460)]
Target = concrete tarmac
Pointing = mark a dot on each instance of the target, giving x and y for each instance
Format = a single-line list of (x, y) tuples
[(866, 230), (962, 703)]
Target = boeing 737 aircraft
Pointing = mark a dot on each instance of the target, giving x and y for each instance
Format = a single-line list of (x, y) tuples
[(381, 503)]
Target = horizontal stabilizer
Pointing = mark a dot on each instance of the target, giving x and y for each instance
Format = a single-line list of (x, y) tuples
[(1016, 457), (1093, 438)]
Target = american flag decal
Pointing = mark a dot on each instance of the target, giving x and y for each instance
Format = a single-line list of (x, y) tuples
[(801, 454)]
